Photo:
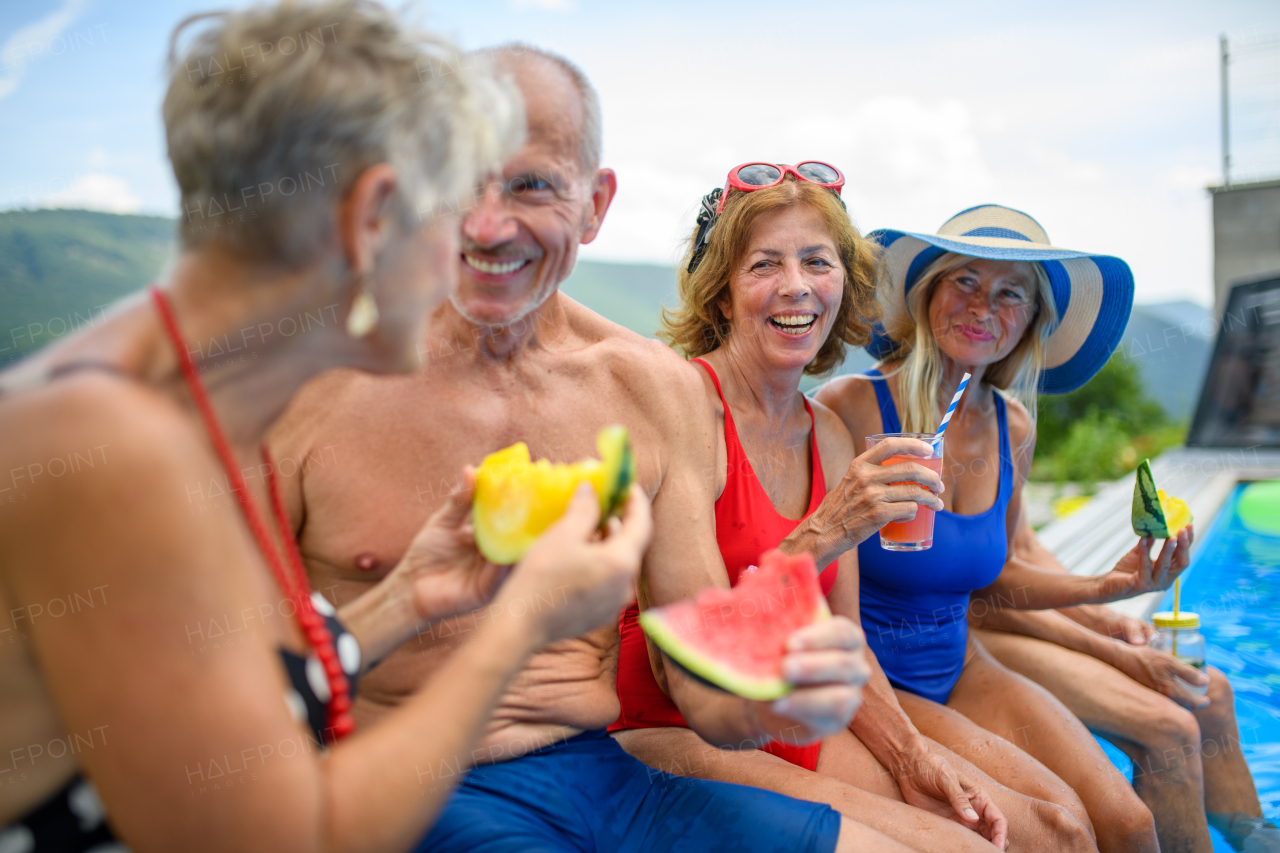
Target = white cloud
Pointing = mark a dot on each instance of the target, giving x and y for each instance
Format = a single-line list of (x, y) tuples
[(33, 41), (1063, 167), (1166, 58), (1110, 154), (96, 191), (1192, 177), (900, 143)]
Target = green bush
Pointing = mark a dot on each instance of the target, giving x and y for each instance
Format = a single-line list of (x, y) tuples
[(1102, 430)]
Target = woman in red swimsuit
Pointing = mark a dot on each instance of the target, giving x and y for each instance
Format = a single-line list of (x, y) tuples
[(778, 282), (157, 591)]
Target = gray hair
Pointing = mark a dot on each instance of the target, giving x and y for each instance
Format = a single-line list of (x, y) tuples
[(272, 112), (591, 144)]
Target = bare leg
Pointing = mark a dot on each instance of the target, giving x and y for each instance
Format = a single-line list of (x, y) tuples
[(1230, 800), (995, 756), (681, 751), (1033, 824), (1158, 735), (1026, 714), (856, 838), (1228, 784)]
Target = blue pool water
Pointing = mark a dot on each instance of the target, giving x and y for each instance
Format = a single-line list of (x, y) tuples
[(1234, 584)]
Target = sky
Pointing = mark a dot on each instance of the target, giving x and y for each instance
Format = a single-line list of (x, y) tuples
[(1100, 119)]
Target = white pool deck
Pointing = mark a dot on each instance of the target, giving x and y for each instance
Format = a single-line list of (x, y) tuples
[(1091, 540)]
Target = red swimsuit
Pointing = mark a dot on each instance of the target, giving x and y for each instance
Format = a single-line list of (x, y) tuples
[(747, 525)]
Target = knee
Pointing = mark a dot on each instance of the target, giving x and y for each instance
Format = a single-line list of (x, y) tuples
[(1222, 701), (1067, 803), (1131, 825), (1170, 728), (1062, 829)]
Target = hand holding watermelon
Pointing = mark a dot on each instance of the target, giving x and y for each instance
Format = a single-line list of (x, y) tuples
[(442, 569), (572, 581), (771, 639), (1137, 573), (826, 666)]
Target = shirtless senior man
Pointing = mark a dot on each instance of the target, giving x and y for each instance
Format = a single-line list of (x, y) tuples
[(510, 359)]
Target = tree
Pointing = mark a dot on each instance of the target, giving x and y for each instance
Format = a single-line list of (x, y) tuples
[(1101, 430)]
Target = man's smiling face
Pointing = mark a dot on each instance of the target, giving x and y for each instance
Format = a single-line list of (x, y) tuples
[(521, 239)]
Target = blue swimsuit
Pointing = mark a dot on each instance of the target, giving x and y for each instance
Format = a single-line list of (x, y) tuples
[(914, 602)]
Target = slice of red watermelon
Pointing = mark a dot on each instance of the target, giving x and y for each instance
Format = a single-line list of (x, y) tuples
[(736, 638)]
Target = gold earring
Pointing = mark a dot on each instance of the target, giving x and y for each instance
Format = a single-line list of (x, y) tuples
[(364, 312)]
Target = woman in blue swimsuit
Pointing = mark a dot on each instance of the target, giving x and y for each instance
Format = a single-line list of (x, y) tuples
[(988, 295)]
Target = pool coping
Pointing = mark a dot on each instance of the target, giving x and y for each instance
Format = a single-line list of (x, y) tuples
[(1090, 541)]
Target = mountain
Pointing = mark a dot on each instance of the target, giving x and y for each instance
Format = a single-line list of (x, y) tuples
[(60, 268), (1171, 343), (630, 295)]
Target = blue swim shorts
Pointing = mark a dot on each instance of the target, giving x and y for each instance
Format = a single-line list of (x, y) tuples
[(587, 795)]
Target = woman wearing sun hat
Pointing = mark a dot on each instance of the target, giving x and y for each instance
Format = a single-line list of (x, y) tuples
[(1095, 660), (989, 295)]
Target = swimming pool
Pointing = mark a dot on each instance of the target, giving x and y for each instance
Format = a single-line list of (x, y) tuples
[(1234, 584)]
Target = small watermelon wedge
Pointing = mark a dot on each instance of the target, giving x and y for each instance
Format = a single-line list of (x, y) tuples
[(517, 499), (736, 638), (1156, 513)]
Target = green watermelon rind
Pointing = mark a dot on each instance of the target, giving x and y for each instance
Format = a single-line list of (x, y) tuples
[(617, 482), (720, 674), (1148, 516)]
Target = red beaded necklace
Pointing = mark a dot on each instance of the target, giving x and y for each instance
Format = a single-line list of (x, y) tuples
[(294, 583)]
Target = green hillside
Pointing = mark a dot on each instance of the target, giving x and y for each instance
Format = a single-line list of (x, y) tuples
[(630, 295), (60, 268)]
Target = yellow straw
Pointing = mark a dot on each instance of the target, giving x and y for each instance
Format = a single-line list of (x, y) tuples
[(1177, 589)]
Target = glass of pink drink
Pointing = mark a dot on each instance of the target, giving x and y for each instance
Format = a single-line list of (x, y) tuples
[(916, 534)]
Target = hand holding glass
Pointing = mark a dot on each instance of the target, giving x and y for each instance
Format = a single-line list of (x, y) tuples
[(916, 534)]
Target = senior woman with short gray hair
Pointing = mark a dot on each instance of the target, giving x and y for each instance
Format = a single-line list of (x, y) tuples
[(318, 148)]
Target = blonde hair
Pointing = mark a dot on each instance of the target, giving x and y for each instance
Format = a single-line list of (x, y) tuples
[(920, 374), (272, 112), (698, 326)]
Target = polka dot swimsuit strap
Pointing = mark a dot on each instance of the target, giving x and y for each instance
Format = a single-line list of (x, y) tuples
[(310, 694)]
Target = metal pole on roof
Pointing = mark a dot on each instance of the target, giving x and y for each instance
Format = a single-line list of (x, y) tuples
[(1226, 127)]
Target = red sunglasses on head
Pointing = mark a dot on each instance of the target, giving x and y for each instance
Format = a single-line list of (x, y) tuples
[(750, 177)]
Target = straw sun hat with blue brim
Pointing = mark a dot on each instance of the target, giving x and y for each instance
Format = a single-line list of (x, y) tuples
[(1093, 293)]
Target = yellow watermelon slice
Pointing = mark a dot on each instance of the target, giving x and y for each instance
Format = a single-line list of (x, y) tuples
[(1156, 513), (517, 499), (735, 639)]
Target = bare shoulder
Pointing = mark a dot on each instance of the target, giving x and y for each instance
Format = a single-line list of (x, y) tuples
[(853, 400), (1022, 431), (1021, 426), (92, 451), (835, 444), (659, 379), (86, 409), (329, 392)]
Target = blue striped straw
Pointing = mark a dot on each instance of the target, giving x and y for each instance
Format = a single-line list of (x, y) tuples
[(951, 410)]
